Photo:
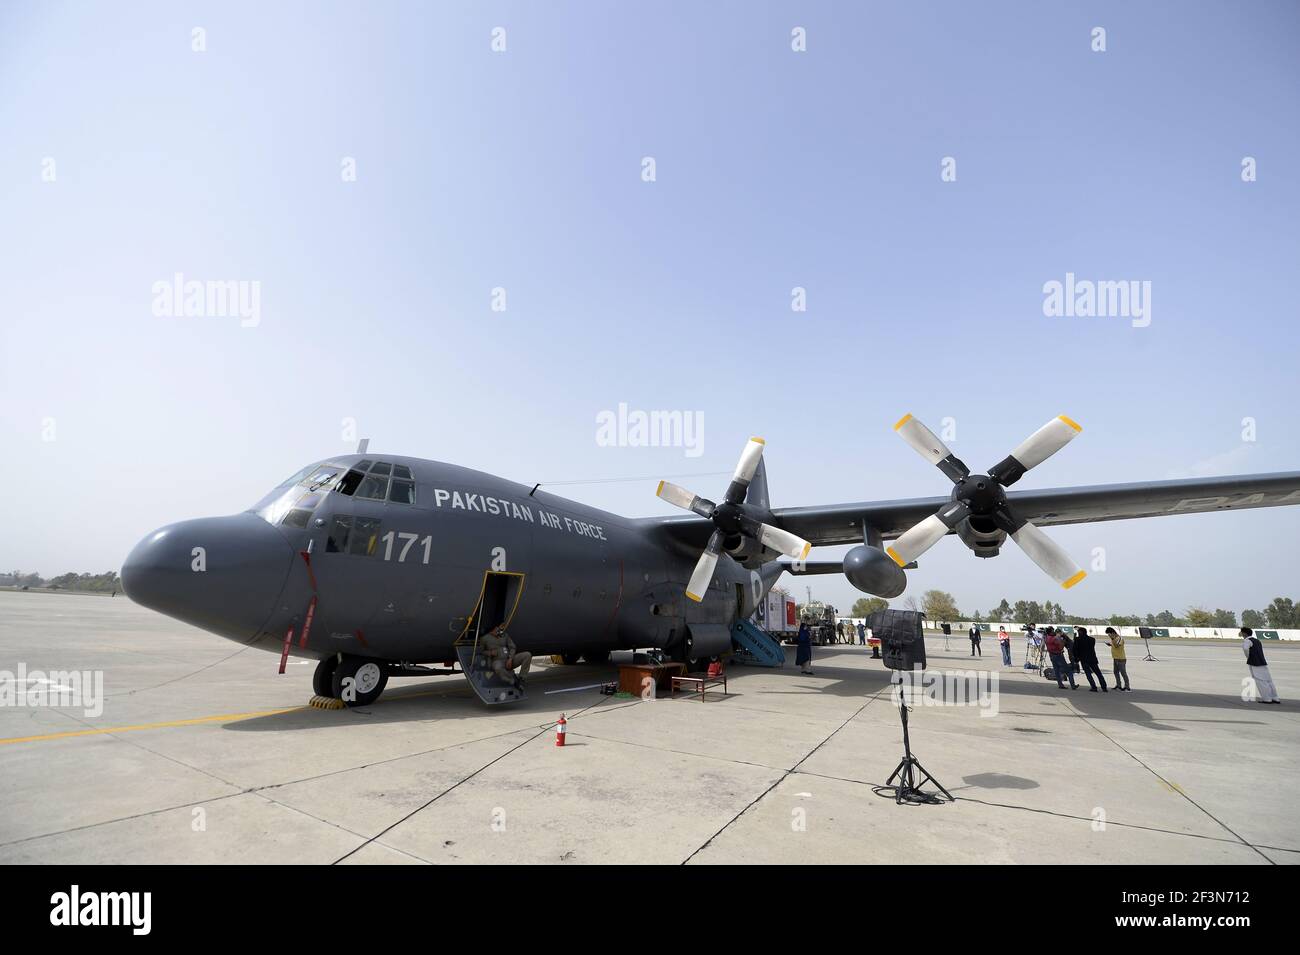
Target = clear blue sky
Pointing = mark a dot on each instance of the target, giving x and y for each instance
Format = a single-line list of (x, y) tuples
[(775, 169)]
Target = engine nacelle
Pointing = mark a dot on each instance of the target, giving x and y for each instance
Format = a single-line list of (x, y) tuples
[(982, 536), (748, 552), (874, 572)]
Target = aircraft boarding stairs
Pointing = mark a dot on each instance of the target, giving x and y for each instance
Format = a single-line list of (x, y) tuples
[(478, 671), (751, 645)]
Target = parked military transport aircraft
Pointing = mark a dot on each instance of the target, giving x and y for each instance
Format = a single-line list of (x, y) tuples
[(378, 565)]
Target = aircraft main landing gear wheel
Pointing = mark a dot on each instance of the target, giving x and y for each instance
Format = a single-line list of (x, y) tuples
[(596, 656), (570, 659), (322, 681), (358, 681)]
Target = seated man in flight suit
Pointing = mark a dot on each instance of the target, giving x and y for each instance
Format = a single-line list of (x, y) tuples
[(503, 657)]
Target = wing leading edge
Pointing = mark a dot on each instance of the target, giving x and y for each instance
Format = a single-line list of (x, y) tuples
[(843, 523)]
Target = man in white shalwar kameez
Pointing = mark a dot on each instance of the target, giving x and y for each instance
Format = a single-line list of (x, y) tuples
[(1265, 690)]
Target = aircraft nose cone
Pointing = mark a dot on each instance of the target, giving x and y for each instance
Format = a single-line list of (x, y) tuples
[(219, 573)]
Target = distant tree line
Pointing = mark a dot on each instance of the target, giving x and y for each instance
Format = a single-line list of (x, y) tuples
[(1283, 613), (96, 583)]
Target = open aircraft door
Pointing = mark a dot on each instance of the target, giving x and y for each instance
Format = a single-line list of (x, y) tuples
[(498, 600)]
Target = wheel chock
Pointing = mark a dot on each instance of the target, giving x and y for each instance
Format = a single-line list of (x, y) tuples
[(326, 703)]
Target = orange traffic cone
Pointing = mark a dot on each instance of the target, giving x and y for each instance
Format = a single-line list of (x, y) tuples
[(561, 728)]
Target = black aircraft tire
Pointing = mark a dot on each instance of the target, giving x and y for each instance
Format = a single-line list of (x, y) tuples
[(596, 656), (682, 654), (368, 679), (322, 681), (569, 659)]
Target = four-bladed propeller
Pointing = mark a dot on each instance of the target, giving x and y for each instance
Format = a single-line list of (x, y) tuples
[(731, 521), (982, 496), (979, 497)]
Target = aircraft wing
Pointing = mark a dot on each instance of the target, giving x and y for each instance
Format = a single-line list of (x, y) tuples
[(842, 523)]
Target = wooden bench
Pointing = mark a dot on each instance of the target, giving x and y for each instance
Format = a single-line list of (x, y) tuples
[(700, 683)]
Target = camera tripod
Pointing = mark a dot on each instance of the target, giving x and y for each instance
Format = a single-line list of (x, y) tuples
[(911, 775)]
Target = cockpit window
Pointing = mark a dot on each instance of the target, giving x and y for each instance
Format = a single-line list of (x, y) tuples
[(350, 481), (297, 518), (292, 502), (372, 488), (353, 535), (297, 477), (323, 477), (365, 536), (378, 481)]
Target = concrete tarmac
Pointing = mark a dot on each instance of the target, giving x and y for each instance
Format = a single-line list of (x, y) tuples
[(204, 754)]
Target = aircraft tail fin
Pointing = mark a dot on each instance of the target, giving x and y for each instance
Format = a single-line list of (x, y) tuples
[(757, 494)]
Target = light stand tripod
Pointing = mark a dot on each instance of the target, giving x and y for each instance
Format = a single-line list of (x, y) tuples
[(909, 786), (1148, 658)]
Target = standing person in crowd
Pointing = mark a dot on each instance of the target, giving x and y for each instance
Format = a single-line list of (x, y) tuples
[(862, 634), (1004, 641), (1069, 649), (1265, 690), (1085, 651), (803, 651), (975, 640), (1119, 657), (1056, 651)]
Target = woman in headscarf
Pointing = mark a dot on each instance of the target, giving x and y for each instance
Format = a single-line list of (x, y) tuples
[(803, 653)]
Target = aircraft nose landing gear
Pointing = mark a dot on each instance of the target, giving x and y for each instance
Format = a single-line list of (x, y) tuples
[(356, 681)]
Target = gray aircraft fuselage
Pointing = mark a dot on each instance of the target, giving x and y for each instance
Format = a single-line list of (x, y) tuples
[(400, 582)]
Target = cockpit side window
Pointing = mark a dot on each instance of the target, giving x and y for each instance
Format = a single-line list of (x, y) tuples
[(353, 535), (365, 536), (340, 530)]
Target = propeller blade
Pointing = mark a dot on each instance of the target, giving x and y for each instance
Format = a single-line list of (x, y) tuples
[(1048, 555), (749, 460), (702, 576), (688, 500), (925, 443), (789, 544), (1035, 449), (919, 538), (738, 489)]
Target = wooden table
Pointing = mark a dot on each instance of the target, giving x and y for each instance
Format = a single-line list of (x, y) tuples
[(701, 683), (631, 676)]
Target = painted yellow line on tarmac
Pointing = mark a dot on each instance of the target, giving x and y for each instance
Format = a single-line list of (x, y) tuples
[(224, 718)]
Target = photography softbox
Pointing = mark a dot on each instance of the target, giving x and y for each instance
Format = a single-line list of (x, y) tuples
[(902, 643)]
